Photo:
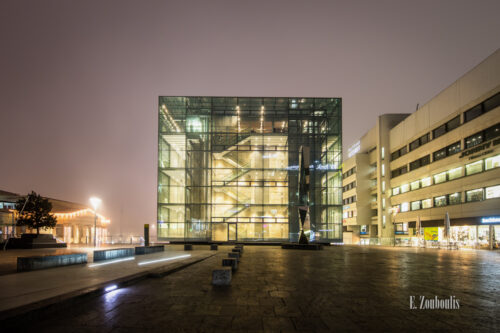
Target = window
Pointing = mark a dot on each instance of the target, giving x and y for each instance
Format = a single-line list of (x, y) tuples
[(492, 162), (474, 195), (453, 148), (383, 170), (455, 198), (399, 171), (426, 182), (420, 141), (492, 132), (436, 133), (452, 124), (427, 203), (416, 205), (438, 155), (405, 206), (382, 153), (383, 203), (399, 153), (440, 178), (415, 185), (440, 201), (405, 188), (383, 186), (401, 228), (420, 162), (492, 103), (395, 191), (493, 192), (455, 173), (474, 140), (473, 113), (383, 221), (473, 168), (349, 172)]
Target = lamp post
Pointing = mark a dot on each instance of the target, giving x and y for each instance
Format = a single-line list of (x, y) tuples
[(95, 202)]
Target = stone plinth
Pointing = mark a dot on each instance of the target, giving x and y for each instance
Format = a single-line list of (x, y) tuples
[(113, 254), (230, 262), (149, 249), (26, 264), (235, 255), (221, 276)]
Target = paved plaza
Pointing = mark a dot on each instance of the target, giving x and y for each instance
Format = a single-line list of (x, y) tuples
[(342, 288)]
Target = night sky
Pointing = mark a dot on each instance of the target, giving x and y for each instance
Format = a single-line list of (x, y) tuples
[(79, 80)]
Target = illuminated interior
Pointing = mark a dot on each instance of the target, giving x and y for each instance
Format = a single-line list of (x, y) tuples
[(228, 167)]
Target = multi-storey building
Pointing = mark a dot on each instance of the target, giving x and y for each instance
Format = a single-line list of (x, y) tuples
[(442, 159), (228, 168)]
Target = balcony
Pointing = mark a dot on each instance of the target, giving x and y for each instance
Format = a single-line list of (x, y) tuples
[(373, 174), (374, 205)]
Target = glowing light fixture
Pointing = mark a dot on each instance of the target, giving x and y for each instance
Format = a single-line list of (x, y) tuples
[(111, 288), (165, 259), (111, 262)]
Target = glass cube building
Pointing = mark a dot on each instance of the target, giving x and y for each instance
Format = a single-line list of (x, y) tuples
[(228, 168)]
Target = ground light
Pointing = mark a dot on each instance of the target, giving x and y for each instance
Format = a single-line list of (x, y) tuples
[(165, 259), (111, 288), (111, 262)]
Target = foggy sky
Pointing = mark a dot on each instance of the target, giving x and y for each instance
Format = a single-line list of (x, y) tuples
[(79, 80)]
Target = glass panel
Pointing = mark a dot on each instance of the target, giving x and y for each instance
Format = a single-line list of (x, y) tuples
[(405, 188), (395, 191), (415, 185), (493, 192), (474, 195), (473, 168), (455, 198), (219, 232), (492, 162), (440, 201), (415, 205), (455, 173), (427, 203), (426, 182), (405, 206), (440, 178), (231, 233)]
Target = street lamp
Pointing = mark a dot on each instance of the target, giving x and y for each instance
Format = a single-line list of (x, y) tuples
[(95, 202)]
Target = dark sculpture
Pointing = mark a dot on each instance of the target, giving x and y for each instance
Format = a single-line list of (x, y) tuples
[(303, 191)]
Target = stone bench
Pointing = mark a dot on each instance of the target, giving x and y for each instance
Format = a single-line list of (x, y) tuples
[(139, 250), (26, 264), (221, 276), (188, 247), (234, 255), (237, 251), (230, 262), (214, 247), (113, 254)]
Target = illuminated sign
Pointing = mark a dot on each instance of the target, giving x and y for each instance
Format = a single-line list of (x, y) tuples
[(490, 219), (480, 147)]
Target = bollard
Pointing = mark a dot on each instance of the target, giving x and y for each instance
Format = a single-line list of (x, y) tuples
[(230, 262), (221, 276), (234, 255), (214, 247), (188, 247), (237, 251)]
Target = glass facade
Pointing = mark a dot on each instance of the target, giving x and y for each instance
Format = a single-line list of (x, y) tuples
[(228, 168)]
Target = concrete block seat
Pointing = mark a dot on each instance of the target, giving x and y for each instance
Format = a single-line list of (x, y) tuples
[(237, 251), (214, 247), (221, 276), (139, 250), (188, 247), (113, 253), (230, 262), (234, 255), (26, 264)]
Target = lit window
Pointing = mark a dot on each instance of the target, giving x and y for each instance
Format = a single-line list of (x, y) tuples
[(383, 170), (455, 198), (383, 186), (440, 201), (395, 191), (455, 173), (405, 188), (382, 153), (416, 205), (427, 203), (473, 168), (383, 221), (492, 162), (426, 182), (493, 192), (415, 185), (405, 206), (474, 195), (440, 178), (383, 203)]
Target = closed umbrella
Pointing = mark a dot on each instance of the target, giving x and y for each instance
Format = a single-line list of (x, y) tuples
[(447, 226)]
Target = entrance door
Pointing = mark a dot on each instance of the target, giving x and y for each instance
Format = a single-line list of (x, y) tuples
[(231, 232)]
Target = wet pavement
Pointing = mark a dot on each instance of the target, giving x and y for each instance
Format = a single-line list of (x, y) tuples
[(348, 288)]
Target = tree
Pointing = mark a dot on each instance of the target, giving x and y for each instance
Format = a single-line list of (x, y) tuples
[(34, 212)]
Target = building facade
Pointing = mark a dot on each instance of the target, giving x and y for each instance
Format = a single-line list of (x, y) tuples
[(75, 222), (442, 159), (228, 168)]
